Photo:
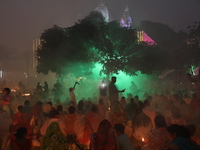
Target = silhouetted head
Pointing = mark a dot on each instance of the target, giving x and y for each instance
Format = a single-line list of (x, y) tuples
[(72, 110), (20, 108), (6, 91), (59, 108), (26, 102), (21, 132), (160, 121), (114, 79), (119, 128)]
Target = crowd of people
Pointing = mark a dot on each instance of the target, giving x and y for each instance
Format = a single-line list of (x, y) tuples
[(166, 121)]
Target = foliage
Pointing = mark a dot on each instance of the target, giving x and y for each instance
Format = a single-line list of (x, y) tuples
[(92, 40)]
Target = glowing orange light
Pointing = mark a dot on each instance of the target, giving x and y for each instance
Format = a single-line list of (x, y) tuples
[(142, 139)]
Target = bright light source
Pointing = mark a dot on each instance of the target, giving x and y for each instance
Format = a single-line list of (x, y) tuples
[(1, 74)]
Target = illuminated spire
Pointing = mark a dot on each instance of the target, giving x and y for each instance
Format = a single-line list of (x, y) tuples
[(126, 20), (102, 8)]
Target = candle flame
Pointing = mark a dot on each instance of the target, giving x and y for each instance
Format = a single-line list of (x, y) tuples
[(142, 139)]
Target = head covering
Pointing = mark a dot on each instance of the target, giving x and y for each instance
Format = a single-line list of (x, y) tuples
[(104, 138)]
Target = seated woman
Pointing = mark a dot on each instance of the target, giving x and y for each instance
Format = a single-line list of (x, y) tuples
[(157, 138), (53, 132), (141, 124), (21, 142), (104, 138), (180, 138), (176, 117)]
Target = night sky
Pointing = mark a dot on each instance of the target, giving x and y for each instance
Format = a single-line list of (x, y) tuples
[(21, 21)]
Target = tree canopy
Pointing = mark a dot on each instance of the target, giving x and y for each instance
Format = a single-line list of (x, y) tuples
[(92, 40)]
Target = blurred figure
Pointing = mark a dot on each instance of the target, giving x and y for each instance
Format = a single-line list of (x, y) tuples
[(130, 108), (21, 142), (6, 100), (195, 102), (46, 89), (123, 102), (104, 138), (117, 114), (176, 117), (102, 108), (157, 138), (21, 117), (38, 88), (72, 95), (113, 91), (53, 132), (5, 125), (192, 130), (27, 107), (103, 93), (70, 121), (180, 138), (123, 140), (141, 125)]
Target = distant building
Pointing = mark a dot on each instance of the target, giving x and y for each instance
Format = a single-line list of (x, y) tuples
[(103, 9), (125, 21)]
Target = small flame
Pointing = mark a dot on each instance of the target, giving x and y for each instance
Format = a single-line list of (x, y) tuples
[(108, 108), (142, 139)]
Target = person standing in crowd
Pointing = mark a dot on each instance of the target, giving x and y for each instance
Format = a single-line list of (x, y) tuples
[(6, 100), (103, 92), (72, 95), (113, 91), (46, 89), (123, 140), (5, 125)]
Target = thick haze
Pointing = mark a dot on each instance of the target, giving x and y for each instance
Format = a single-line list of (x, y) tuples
[(21, 21)]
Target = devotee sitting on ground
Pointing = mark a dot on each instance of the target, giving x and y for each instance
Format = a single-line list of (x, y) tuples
[(83, 128), (195, 102), (123, 140), (53, 132), (44, 115), (157, 138), (175, 117), (94, 117), (180, 138), (70, 121), (21, 142), (117, 114), (149, 111), (5, 124), (104, 138), (27, 107), (192, 129), (102, 108), (21, 117), (61, 112), (36, 110), (123, 102), (141, 124), (130, 108)]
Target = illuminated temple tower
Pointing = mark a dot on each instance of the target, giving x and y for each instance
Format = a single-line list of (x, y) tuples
[(126, 20), (103, 9)]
